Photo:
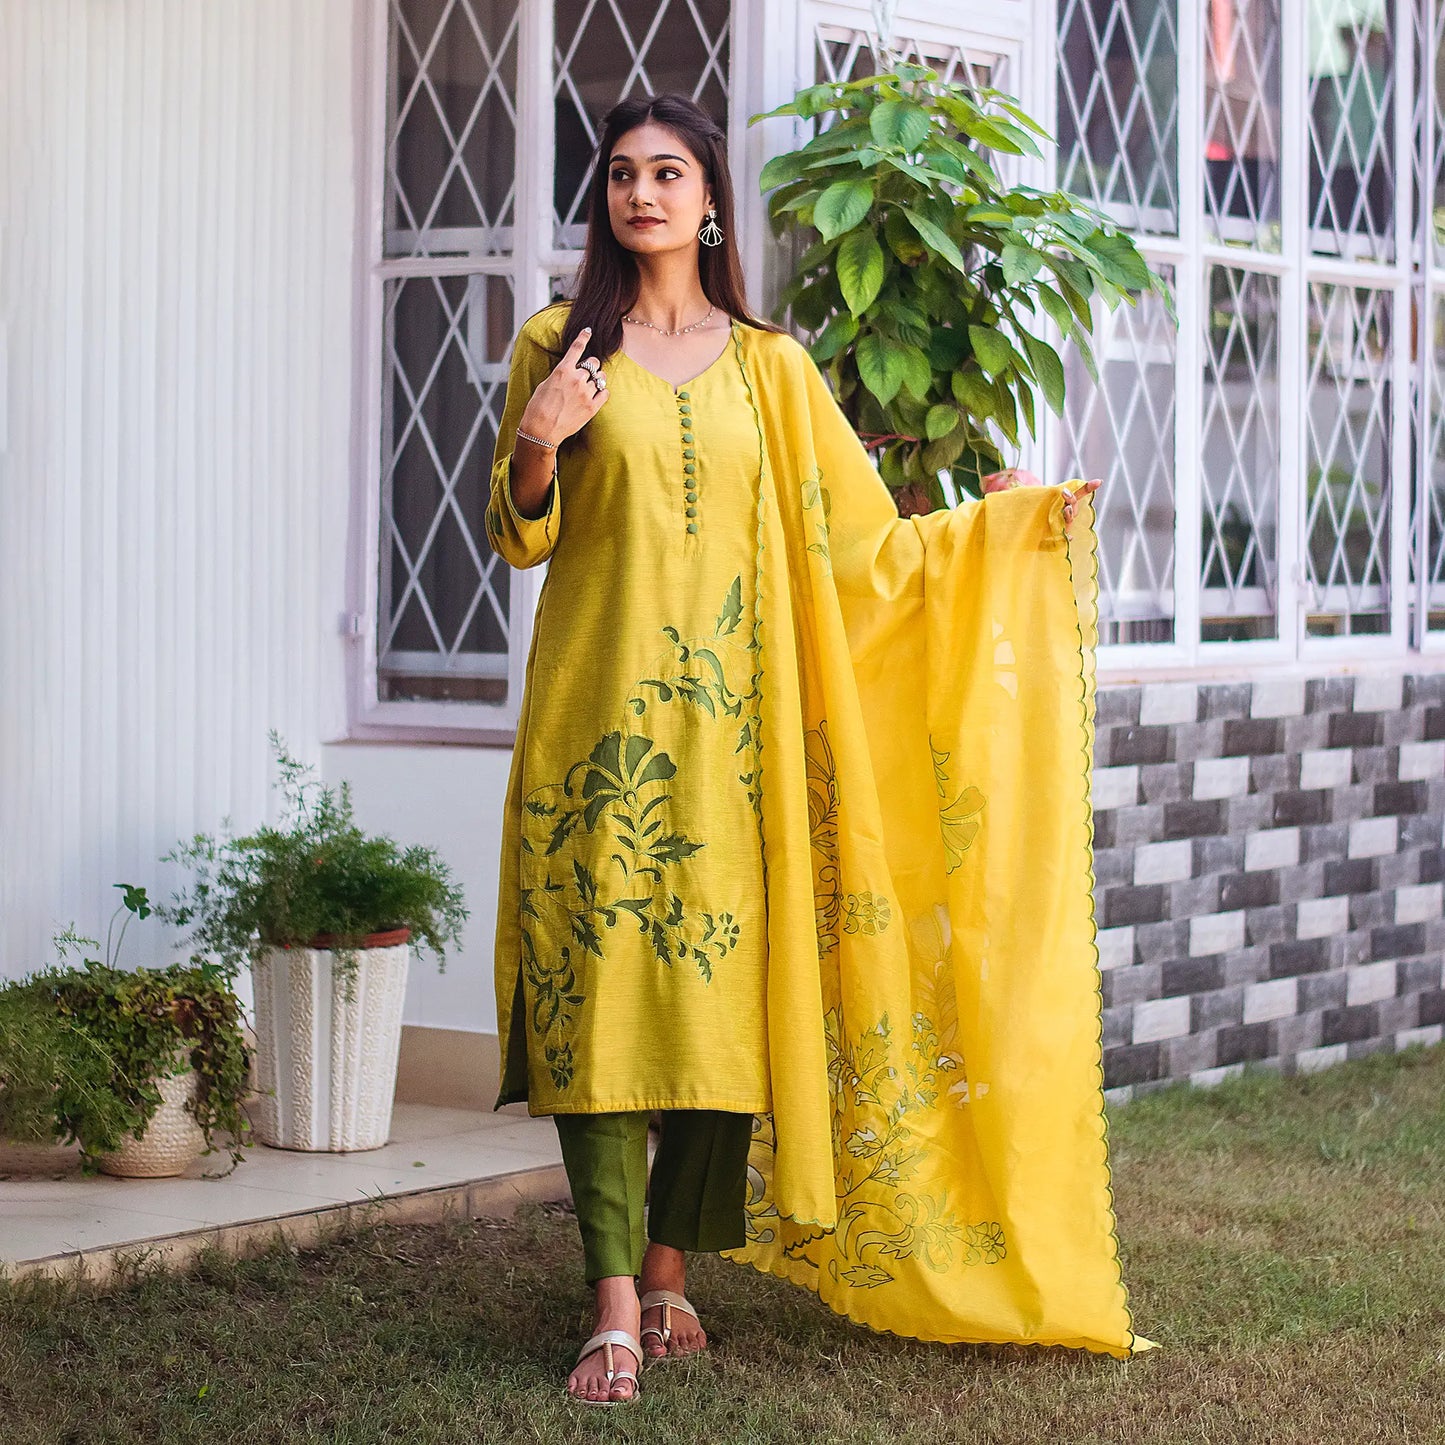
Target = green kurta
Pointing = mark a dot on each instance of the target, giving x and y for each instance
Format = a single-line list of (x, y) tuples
[(639, 912)]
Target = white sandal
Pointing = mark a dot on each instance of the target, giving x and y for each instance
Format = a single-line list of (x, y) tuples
[(669, 1301), (605, 1339)]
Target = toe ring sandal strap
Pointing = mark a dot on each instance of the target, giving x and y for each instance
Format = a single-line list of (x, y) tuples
[(669, 1300), (605, 1339)]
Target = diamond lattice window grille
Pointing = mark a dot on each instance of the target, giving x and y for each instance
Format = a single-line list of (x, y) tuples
[(844, 54), (608, 50), (1119, 108), (1241, 122), (451, 136), (1428, 152), (1347, 445), (444, 602), (1351, 129), (1240, 456), (1122, 431)]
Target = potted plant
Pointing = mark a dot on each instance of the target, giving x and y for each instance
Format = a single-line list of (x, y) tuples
[(142, 1067), (931, 285), (324, 915)]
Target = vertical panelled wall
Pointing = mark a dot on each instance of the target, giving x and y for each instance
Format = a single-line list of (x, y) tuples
[(176, 223)]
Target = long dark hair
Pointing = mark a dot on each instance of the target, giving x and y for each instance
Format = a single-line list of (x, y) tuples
[(607, 280)]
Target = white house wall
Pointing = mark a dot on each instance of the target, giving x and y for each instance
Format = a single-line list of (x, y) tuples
[(176, 241)]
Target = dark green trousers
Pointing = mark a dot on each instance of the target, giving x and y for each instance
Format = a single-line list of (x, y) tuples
[(698, 1191)]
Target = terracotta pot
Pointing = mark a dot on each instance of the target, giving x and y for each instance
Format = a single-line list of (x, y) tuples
[(389, 939)]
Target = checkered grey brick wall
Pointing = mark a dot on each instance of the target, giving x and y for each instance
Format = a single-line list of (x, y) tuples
[(1269, 865)]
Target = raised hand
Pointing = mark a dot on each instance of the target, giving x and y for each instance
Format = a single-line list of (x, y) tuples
[(1019, 477), (568, 397)]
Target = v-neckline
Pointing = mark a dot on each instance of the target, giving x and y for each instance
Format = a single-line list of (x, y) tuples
[(716, 361)]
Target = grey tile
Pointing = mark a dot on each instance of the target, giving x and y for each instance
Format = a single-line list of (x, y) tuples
[(1225, 700), (1211, 1010)]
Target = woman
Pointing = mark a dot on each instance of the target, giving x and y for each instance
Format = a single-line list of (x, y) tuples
[(728, 884)]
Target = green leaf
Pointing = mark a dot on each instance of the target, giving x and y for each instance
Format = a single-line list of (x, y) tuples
[(860, 269), (786, 167), (838, 333), (1048, 371), (1057, 308), (991, 348), (942, 419), (939, 239), (947, 348), (880, 366), (1026, 407), (945, 451), (899, 124), (902, 239), (1020, 263), (973, 393), (841, 207), (988, 214), (917, 374)]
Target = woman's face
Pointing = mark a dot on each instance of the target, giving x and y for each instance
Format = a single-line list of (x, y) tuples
[(657, 194)]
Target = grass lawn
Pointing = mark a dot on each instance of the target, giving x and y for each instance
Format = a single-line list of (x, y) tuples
[(1284, 1241)]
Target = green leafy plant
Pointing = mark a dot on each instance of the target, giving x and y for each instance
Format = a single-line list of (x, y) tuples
[(81, 1047), (315, 880), (930, 283)]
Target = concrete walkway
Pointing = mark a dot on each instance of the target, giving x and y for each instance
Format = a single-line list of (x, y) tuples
[(438, 1163)]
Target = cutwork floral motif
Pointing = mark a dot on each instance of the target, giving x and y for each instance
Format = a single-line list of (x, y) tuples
[(866, 913), (884, 1216), (819, 504), (958, 821)]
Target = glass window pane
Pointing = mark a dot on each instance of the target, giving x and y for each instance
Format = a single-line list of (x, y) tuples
[(451, 127), (1241, 122), (606, 51), (445, 596), (1123, 432), (1119, 108), (1240, 457), (1347, 458), (1351, 58)]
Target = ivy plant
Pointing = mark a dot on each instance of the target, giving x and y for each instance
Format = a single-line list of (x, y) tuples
[(81, 1048), (931, 286)]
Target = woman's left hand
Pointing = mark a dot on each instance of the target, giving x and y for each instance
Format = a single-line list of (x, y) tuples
[(1018, 477)]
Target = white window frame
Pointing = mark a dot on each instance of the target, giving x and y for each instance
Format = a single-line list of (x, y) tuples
[(1296, 267)]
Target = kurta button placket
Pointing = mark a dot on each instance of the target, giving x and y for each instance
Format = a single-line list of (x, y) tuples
[(689, 464)]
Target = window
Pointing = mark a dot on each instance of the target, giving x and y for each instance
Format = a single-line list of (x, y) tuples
[(491, 114), (1275, 470)]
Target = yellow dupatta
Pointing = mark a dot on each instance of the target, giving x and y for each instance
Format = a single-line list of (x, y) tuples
[(935, 1163)]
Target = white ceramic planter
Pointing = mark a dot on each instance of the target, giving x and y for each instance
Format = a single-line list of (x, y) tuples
[(172, 1140), (326, 1065)]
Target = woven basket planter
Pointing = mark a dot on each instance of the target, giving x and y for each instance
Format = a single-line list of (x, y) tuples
[(172, 1140), (326, 1064)]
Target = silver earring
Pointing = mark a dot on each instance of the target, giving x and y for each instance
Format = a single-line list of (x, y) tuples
[(710, 234)]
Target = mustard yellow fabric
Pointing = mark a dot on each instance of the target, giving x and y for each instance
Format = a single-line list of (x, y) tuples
[(798, 823)]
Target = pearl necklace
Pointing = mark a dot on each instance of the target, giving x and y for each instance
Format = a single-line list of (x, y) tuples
[(637, 321)]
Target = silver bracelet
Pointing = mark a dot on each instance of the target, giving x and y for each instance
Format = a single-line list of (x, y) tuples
[(527, 436)]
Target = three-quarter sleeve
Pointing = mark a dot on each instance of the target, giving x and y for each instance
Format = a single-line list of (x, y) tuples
[(519, 540)]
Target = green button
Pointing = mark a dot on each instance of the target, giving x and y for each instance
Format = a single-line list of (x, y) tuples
[(684, 410), (692, 526), (689, 467), (687, 436), (692, 496), (682, 396), (692, 511), (688, 453)]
